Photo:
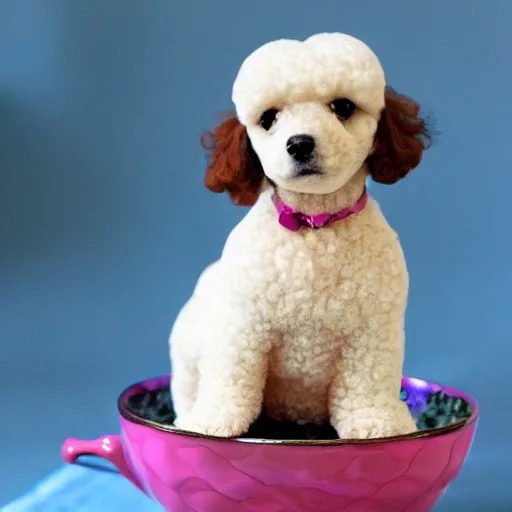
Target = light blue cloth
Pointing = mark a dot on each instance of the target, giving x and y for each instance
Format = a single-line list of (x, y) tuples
[(93, 486), (82, 488)]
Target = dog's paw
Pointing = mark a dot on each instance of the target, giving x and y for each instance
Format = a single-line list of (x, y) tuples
[(372, 423), (213, 425)]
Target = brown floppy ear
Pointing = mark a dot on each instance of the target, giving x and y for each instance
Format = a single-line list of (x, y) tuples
[(233, 165), (401, 138)]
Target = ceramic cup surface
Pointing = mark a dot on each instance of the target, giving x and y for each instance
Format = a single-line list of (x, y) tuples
[(187, 472)]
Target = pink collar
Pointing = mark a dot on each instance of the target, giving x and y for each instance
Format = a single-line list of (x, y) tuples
[(293, 220)]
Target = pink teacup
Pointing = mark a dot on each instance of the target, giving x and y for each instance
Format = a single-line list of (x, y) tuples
[(187, 472)]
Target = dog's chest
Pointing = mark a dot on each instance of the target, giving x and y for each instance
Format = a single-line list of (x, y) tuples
[(330, 279), (316, 273), (327, 279)]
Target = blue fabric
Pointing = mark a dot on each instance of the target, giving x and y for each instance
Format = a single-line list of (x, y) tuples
[(93, 486), (83, 488)]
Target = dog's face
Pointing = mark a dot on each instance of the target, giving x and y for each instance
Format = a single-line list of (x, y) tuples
[(309, 115), (311, 109)]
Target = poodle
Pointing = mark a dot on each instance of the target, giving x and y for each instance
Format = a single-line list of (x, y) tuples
[(303, 314)]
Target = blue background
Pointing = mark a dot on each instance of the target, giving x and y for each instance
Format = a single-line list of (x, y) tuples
[(105, 224)]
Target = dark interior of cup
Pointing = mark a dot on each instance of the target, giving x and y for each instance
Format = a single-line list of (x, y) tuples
[(432, 408)]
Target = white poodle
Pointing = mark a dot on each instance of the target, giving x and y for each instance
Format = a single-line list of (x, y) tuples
[(303, 315)]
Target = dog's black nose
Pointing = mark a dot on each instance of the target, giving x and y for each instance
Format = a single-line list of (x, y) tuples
[(300, 147)]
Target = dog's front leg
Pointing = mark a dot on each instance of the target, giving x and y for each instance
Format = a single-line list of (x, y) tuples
[(364, 399), (232, 375)]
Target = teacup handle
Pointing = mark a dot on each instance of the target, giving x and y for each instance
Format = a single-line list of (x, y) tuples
[(108, 447)]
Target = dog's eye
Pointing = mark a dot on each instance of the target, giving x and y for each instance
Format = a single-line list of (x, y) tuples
[(268, 118), (343, 108)]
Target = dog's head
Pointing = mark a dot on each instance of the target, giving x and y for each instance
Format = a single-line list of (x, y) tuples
[(309, 115)]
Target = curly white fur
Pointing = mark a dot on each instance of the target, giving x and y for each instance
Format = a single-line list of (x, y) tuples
[(309, 324)]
